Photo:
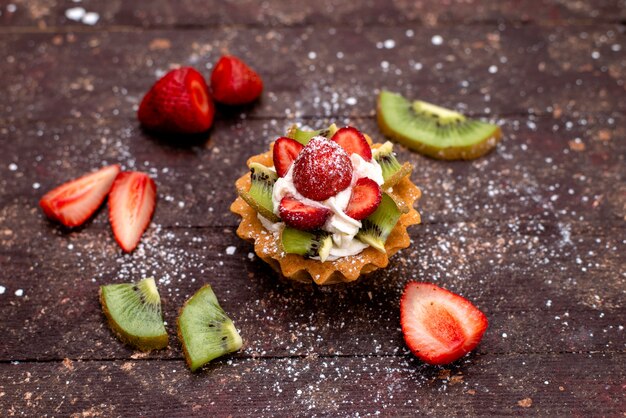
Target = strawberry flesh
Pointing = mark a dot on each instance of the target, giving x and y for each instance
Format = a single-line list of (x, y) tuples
[(322, 169), (179, 102), (365, 198), (300, 216), (285, 152), (234, 83), (439, 326), (131, 204), (353, 141), (74, 202)]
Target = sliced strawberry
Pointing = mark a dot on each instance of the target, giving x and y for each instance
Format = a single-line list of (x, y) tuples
[(439, 326), (178, 103), (234, 83), (300, 216), (131, 204), (286, 150), (322, 169), (74, 202), (365, 198), (353, 142)]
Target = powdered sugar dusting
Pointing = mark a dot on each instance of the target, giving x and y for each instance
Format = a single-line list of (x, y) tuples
[(79, 14), (165, 255)]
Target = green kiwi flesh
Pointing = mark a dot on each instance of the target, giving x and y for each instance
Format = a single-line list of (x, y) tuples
[(393, 172), (307, 244), (433, 130), (375, 229), (204, 329), (134, 313), (304, 136), (259, 197)]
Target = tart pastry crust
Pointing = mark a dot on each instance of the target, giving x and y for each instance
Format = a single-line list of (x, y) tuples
[(346, 269)]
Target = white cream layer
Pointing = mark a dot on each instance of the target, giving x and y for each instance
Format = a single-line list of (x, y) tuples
[(342, 227)]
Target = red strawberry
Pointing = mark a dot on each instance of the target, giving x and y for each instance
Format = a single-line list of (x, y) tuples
[(439, 326), (74, 202), (234, 83), (178, 103), (365, 198), (286, 150), (131, 204), (300, 216), (322, 169), (353, 142)]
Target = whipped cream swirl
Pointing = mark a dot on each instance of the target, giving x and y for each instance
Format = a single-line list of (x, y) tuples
[(342, 227)]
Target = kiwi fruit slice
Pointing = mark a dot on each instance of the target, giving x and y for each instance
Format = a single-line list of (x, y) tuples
[(134, 313), (204, 329), (303, 136), (434, 131), (376, 228), (393, 172), (307, 244), (259, 197)]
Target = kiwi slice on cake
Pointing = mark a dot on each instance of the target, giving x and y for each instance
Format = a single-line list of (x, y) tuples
[(304, 136), (308, 244), (393, 172), (259, 197), (134, 313), (375, 229), (434, 131), (204, 329)]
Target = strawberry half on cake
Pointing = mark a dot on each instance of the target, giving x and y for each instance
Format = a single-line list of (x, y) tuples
[(326, 205)]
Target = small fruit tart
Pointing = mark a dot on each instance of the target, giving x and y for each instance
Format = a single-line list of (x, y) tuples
[(326, 206)]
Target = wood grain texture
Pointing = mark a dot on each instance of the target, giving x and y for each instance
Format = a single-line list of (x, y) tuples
[(182, 14), (329, 72), (537, 297), (496, 385), (533, 233), (538, 172)]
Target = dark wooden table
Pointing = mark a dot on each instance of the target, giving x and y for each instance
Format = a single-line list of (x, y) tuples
[(534, 234)]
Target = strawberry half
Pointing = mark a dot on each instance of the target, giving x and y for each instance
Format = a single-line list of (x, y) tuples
[(234, 83), (285, 152), (131, 204), (178, 103), (322, 169), (439, 326), (300, 216), (74, 202), (353, 141), (365, 198)]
